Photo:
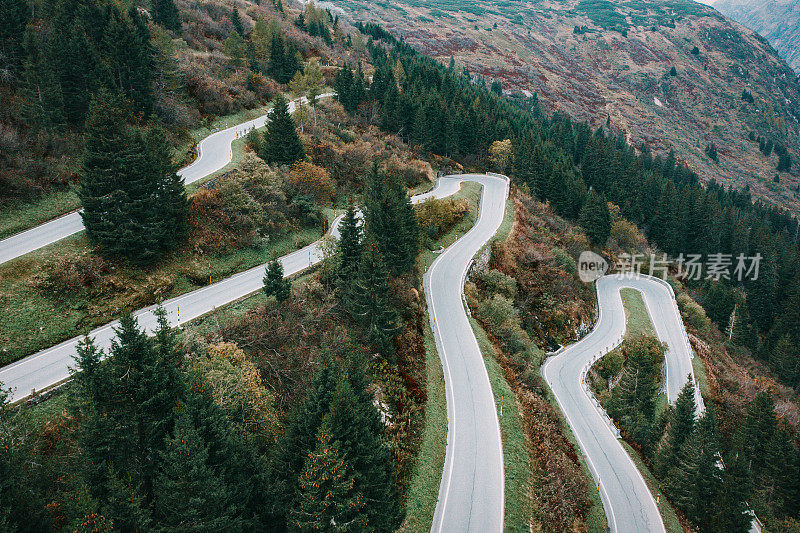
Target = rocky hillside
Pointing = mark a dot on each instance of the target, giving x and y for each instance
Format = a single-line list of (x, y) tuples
[(675, 74), (776, 20)]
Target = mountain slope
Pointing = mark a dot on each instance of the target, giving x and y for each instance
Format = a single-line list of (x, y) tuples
[(599, 59), (776, 20)]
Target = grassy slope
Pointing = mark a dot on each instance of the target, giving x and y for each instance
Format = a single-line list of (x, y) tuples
[(22, 306), (28, 215), (516, 460)]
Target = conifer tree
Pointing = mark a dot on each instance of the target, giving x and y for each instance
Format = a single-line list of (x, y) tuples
[(369, 298), (390, 218), (356, 424), (124, 505), (327, 499), (595, 218), (281, 144), (192, 492), (785, 360), (166, 14), (730, 508), (680, 424), (695, 478), (632, 401), (275, 284), (134, 203), (349, 250), (236, 21), (131, 406), (299, 439)]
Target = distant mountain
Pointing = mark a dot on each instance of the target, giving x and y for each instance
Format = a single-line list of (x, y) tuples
[(776, 20), (675, 74)]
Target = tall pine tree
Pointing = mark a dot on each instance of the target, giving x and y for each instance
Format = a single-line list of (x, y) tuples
[(281, 144)]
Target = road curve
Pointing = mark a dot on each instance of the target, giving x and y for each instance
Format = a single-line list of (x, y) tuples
[(214, 152), (471, 492), (48, 367), (628, 503)]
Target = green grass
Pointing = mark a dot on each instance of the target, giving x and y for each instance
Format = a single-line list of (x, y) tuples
[(637, 320), (516, 460), (504, 230), (424, 490), (31, 320), (699, 369), (20, 217)]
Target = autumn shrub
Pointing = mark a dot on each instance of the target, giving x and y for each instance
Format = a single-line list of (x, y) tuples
[(411, 171), (238, 389), (246, 206), (503, 322), (72, 273), (496, 282), (693, 313), (437, 217), (307, 178)]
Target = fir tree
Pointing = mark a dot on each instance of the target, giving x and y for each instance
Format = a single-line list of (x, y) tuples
[(134, 203), (349, 250), (680, 425), (192, 492), (730, 513), (131, 405), (125, 506), (356, 425), (695, 478), (236, 22), (391, 220), (299, 439), (166, 14), (281, 144), (327, 499), (275, 284), (369, 298), (595, 218)]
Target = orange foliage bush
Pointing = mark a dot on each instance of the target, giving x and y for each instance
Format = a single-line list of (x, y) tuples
[(307, 178)]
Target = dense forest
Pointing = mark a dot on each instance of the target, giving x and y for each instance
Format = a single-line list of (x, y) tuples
[(152, 439)]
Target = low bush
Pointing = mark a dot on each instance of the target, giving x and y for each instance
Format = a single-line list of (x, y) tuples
[(72, 273), (437, 217)]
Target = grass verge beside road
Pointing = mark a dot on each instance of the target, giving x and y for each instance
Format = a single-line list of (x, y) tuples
[(516, 460), (32, 319)]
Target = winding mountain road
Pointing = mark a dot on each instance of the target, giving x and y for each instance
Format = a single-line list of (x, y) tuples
[(471, 492), (214, 153), (628, 503), (471, 495)]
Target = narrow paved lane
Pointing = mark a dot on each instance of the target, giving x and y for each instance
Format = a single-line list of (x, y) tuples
[(214, 152), (471, 496), (471, 493), (628, 502)]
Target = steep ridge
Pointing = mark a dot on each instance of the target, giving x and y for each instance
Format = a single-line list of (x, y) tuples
[(778, 21), (214, 152), (612, 60)]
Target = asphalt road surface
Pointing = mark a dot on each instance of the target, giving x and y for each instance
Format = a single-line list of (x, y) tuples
[(471, 493), (214, 153), (628, 503), (471, 496)]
